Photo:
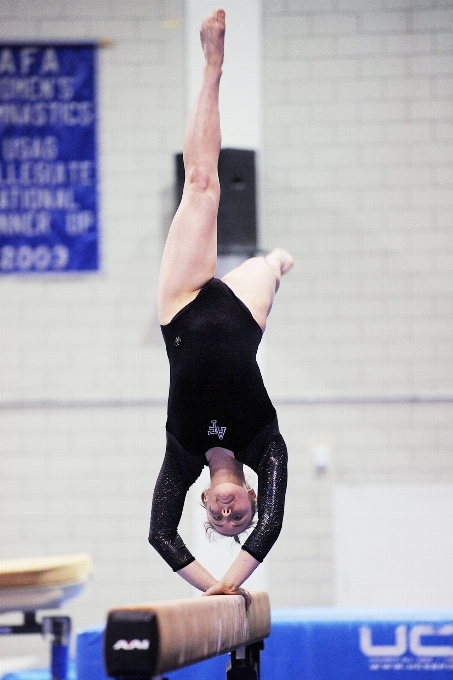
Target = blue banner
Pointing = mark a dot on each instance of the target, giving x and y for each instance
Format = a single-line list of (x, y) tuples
[(48, 173)]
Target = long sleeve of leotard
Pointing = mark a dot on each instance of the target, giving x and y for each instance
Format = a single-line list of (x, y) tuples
[(179, 471), (271, 468)]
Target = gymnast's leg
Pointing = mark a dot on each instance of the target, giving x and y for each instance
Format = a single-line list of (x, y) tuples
[(256, 281), (190, 253)]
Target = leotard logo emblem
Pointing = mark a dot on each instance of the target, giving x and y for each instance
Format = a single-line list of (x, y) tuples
[(177, 341), (215, 429)]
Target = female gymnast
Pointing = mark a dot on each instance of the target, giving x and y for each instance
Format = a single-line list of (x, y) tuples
[(219, 413)]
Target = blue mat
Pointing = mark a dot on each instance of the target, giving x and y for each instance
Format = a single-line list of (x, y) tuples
[(327, 644), (40, 674), (318, 644)]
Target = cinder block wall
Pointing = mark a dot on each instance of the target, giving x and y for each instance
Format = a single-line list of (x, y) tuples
[(358, 160), (357, 184)]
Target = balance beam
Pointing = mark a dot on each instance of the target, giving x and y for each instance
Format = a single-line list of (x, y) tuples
[(27, 585), (150, 639)]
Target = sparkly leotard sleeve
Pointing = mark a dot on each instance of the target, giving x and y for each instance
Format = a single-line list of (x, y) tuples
[(267, 456), (179, 471), (217, 398)]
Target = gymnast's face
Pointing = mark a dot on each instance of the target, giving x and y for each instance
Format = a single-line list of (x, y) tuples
[(229, 508)]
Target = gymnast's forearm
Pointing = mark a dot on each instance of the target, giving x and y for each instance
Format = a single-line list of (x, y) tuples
[(197, 576), (243, 566)]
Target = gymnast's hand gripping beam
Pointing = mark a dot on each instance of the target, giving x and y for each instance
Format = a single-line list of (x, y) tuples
[(144, 641)]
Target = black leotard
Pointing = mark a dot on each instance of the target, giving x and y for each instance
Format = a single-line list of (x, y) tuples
[(217, 398)]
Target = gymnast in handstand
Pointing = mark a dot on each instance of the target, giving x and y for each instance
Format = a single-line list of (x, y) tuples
[(219, 413)]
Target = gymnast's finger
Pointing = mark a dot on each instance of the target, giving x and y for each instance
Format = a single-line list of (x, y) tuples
[(247, 597)]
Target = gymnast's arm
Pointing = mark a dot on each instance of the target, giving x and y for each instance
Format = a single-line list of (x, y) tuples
[(197, 576), (271, 468), (179, 471), (243, 566)]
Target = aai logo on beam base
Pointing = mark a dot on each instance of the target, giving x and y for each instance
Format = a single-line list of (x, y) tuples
[(130, 645)]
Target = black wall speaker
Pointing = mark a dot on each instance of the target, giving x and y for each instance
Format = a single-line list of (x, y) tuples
[(237, 228)]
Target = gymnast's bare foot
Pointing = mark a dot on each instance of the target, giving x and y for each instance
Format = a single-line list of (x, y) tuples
[(212, 35), (282, 259)]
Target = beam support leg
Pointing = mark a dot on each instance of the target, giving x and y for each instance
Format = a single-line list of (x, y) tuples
[(245, 663)]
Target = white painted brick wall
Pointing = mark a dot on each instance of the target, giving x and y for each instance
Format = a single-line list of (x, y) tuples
[(358, 151)]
